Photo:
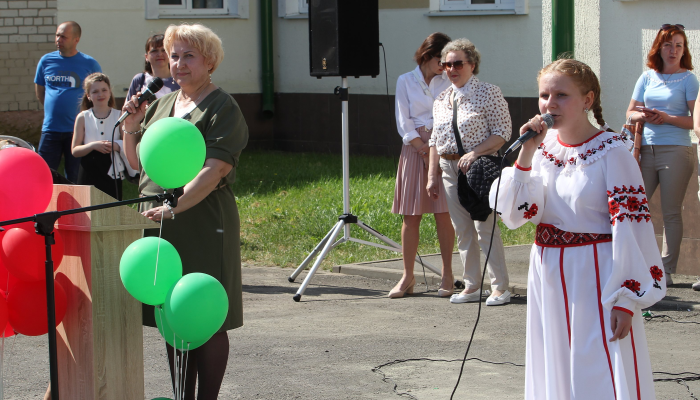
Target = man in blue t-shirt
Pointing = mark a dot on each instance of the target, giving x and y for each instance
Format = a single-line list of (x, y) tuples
[(58, 84)]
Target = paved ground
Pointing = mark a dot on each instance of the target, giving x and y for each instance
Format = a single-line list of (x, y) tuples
[(326, 346)]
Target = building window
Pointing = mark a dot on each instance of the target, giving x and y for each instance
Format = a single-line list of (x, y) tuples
[(477, 7), (158, 9), (293, 9)]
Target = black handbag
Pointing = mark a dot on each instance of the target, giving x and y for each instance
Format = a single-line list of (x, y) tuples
[(473, 188)]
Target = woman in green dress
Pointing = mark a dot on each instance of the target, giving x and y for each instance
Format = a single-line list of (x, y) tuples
[(204, 227)]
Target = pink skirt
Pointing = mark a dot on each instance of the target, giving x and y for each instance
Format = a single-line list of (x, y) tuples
[(410, 196)]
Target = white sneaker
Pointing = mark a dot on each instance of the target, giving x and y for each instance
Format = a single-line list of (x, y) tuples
[(468, 298), (696, 286), (500, 300)]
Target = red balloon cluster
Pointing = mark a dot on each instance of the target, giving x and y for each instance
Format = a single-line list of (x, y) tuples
[(25, 191)]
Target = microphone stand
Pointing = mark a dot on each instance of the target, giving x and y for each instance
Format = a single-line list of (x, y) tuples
[(44, 225)]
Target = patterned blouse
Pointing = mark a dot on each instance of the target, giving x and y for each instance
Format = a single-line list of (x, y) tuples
[(482, 112)]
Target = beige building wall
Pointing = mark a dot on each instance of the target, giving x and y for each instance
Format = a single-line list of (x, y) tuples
[(115, 33)]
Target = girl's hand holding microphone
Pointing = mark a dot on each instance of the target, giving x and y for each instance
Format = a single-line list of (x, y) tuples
[(538, 125)]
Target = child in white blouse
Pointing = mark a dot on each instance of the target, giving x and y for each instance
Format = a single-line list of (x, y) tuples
[(92, 137)]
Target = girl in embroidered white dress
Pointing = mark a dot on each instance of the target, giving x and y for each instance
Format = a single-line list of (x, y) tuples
[(595, 263)]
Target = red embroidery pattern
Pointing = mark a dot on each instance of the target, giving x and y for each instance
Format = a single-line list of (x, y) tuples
[(603, 145), (621, 197), (634, 286), (530, 211), (656, 275), (551, 236), (551, 157), (583, 156)]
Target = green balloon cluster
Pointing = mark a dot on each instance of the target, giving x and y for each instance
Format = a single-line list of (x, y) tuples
[(172, 152), (189, 309), (137, 269)]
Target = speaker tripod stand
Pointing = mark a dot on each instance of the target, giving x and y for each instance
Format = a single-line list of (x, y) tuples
[(346, 219)]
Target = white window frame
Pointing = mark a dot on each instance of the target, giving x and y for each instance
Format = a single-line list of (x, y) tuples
[(231, 9), (293, 9), (447, 8)]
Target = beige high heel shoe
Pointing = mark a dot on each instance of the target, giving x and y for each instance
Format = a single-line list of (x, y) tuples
[(396, 292)]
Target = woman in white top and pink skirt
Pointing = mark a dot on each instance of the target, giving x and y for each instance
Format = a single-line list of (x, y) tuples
[(415, 93)]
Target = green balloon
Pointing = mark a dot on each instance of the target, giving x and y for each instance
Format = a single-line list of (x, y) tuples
[(172, 152), (137, 269), (196, 307), (167, 333)]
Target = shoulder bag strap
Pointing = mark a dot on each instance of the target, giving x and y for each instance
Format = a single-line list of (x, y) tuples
[(455, 129)]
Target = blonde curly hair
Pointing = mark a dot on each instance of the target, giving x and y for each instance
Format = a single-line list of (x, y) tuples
[(201, 37)]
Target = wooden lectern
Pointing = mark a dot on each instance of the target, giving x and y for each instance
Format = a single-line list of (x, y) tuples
[(100, 341)]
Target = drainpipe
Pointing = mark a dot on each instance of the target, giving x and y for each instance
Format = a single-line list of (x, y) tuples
[(562, 28), (268, 75)]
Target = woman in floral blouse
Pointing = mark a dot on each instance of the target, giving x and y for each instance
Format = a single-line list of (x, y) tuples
[(484, 126)]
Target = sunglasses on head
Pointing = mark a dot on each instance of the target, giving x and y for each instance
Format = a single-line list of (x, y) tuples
[(458, 65), (666, 27)]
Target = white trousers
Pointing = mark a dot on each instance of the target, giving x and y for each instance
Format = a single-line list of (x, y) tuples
[(471, 235)]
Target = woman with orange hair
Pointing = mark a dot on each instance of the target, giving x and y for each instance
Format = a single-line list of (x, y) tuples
[(663, 99)]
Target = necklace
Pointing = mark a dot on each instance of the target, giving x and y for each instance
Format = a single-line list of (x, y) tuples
[(663, 77), (202, 90)]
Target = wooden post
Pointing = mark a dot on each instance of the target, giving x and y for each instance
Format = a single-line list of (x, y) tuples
[(100, 341)]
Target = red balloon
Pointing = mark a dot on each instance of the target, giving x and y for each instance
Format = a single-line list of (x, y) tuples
[(24, 254), (26, 305), (27, 183)]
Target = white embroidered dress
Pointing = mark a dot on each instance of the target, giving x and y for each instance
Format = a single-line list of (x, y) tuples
[(595, 250)]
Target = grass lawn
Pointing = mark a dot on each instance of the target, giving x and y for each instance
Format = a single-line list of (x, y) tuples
[(289, 201)]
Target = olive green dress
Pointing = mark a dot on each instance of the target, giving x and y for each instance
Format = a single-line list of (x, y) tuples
[(207, 236)]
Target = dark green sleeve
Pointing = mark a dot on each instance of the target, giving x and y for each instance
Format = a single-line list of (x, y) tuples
[(226, 132)]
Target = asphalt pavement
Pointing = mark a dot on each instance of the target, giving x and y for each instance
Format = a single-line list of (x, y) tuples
[(346, 340)]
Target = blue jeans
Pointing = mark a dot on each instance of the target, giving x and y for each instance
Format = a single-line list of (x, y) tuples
[(55, 144)]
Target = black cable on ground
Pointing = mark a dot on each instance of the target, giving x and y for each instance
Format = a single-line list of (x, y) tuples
[(385, 378), (483, 273)]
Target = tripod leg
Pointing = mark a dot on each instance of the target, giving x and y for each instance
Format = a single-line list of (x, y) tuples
[(329, 244), (311, 256), (391, 243)]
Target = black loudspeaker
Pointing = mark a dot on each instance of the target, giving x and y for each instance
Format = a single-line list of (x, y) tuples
[(344, 38)]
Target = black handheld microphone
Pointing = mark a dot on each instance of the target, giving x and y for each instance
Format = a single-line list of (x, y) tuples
[(547, 118), (153, 86)]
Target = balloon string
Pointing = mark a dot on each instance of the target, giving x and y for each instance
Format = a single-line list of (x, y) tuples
[(182, 384), (160, 233), (184, 379), (177, 377)]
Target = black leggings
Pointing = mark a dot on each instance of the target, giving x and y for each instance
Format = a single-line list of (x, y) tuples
[(208, 362)]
